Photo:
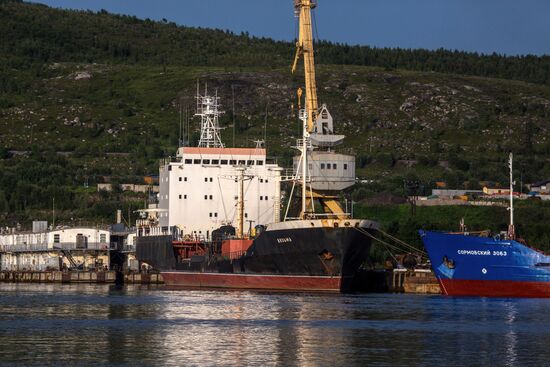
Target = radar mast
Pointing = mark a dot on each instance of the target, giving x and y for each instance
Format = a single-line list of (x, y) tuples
[(208, 110)]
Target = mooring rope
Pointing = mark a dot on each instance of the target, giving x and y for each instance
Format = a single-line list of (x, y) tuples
[(388, 245), (423, 253)]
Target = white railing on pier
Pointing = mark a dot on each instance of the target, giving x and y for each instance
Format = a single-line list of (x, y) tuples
[(40, 247)]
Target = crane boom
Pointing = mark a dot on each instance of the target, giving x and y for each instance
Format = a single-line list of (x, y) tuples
[(304, 47)]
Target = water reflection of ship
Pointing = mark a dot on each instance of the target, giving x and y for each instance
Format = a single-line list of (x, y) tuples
[(208, 193)]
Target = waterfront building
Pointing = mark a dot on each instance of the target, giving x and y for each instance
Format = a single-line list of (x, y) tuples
[(57, 249)]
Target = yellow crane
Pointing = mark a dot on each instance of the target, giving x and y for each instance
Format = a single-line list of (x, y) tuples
[(304, 47), (305, 50)]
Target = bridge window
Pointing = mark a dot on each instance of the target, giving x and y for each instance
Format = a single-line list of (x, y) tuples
[(224, 161), (188, 161), (322, 166), (345, 166), (197, 161), (259, 163), (215, 161)]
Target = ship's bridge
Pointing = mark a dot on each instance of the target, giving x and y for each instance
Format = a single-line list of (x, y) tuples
[(199, 189)]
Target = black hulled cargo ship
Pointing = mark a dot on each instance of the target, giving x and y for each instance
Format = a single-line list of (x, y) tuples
[(300, 255), (196, 237)]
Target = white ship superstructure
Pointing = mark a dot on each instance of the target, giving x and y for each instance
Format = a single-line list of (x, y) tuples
[(200, 188)]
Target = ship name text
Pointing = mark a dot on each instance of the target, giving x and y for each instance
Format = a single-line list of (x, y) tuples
[(284, 240), (482, 252)]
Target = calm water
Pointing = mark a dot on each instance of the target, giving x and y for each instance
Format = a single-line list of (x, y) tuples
[(89, 325)]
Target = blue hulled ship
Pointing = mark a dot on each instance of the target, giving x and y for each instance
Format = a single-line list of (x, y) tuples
[(477, 265), (480, 264)]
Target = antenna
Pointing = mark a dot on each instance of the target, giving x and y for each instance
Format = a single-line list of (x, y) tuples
[(265, 124), (208, 110), (188, 127), (198, 94), (53, 212), (233, 109), (181, 125)]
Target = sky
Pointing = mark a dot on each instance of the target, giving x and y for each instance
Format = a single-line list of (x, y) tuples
[(510, 27)]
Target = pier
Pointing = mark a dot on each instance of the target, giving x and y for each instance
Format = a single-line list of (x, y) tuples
[(421, 281), (90, 277)]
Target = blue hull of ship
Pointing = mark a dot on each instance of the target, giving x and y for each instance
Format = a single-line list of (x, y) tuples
[(486, 266)]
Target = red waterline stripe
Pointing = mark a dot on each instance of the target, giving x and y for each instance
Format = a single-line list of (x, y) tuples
[(253, 281), (495, 288)]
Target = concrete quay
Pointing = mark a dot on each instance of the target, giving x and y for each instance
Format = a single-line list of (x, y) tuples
[(421, 281)]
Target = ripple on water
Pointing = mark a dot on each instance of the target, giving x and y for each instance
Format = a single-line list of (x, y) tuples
[(88, 324)]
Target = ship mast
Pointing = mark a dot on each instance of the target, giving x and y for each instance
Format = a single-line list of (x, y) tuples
[(304, 148), (240, 203), (511, 227), (304, 47), (208, 110)]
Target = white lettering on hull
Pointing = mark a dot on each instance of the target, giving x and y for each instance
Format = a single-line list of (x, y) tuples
[(482, 253)]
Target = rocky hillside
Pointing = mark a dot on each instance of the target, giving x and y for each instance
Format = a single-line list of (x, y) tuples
[(397, 122), (88, 97)]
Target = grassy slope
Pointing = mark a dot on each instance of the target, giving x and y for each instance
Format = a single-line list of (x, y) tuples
[(132, 106), (531, 219)]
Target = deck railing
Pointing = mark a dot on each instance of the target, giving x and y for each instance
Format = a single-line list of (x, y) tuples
[(39, 247)]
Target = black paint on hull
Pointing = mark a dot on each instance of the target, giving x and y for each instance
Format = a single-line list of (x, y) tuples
[(320, 251)]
